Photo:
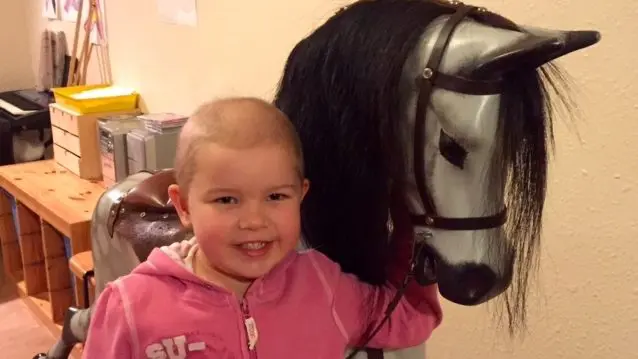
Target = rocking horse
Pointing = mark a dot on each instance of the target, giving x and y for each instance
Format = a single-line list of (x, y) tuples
[(442, 107)]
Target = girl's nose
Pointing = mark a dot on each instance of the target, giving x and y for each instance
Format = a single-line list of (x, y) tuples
[(252, 218)]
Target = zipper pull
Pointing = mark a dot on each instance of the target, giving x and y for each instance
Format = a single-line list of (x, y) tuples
[(251, 330), (250, 325)]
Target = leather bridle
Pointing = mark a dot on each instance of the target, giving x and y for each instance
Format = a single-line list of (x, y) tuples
[(430, 78)]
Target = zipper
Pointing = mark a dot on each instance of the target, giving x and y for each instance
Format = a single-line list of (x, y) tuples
[(251, 329)]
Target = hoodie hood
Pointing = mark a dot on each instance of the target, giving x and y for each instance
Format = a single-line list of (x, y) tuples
[(176, 261)]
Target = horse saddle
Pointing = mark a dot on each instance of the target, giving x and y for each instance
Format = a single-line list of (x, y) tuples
[(151, 194), (145, 217)]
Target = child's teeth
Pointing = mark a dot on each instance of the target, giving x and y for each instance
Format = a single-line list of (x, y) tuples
[(253, 245)]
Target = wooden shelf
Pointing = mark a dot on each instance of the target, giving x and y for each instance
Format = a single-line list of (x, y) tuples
[(45, 214), (58, 196)]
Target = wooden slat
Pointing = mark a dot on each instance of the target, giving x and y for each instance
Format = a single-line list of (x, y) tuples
[(32, 254), (30, 238), (10, 245), (57, 272), (60, 301), (28, 222), (52, 242), (5, 204), (11, 257), (7, 229), (35, 279), (31, 245)]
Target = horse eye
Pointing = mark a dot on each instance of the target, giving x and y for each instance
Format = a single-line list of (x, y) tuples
[(451, 150)]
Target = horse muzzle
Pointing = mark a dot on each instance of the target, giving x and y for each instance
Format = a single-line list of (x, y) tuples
[(466, 284)]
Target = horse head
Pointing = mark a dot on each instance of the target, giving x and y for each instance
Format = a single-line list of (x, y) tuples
[(480, 138), (445, 106)]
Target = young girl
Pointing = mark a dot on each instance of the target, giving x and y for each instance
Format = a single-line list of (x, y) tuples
[(239, 289)]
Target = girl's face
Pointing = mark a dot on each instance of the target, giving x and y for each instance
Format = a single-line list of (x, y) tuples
[(244, 208)]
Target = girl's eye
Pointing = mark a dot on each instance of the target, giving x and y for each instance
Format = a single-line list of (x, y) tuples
[(277, 196), (226, 200)]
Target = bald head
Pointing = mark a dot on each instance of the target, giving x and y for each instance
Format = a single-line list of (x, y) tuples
[(237, 122)]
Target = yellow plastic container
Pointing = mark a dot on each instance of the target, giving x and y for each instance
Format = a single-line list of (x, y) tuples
[(65, 97)]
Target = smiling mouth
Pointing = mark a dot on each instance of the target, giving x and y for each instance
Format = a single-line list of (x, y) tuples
[(255, 249), (253, 245)]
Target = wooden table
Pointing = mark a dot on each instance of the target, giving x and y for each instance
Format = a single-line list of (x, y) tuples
[(52, 206)]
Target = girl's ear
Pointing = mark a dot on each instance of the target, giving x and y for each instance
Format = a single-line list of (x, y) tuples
[(180, 202), (305, 186)]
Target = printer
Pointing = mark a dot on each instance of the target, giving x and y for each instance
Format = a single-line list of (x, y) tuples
[(23, 110)]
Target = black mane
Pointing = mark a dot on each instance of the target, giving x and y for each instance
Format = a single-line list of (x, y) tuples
[(344, 100), (340, 88)]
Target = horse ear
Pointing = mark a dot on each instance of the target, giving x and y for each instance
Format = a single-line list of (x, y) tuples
[(536, 48)]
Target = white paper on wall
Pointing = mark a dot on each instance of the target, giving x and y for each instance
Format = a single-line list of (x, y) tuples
[(180, 12), (97, 24), (49, 9), (69, 9)]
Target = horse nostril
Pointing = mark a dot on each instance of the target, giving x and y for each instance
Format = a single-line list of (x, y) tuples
[(468, 284), (478, 281)]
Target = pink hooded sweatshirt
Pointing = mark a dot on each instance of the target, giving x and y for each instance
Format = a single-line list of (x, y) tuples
[(304, 308)]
